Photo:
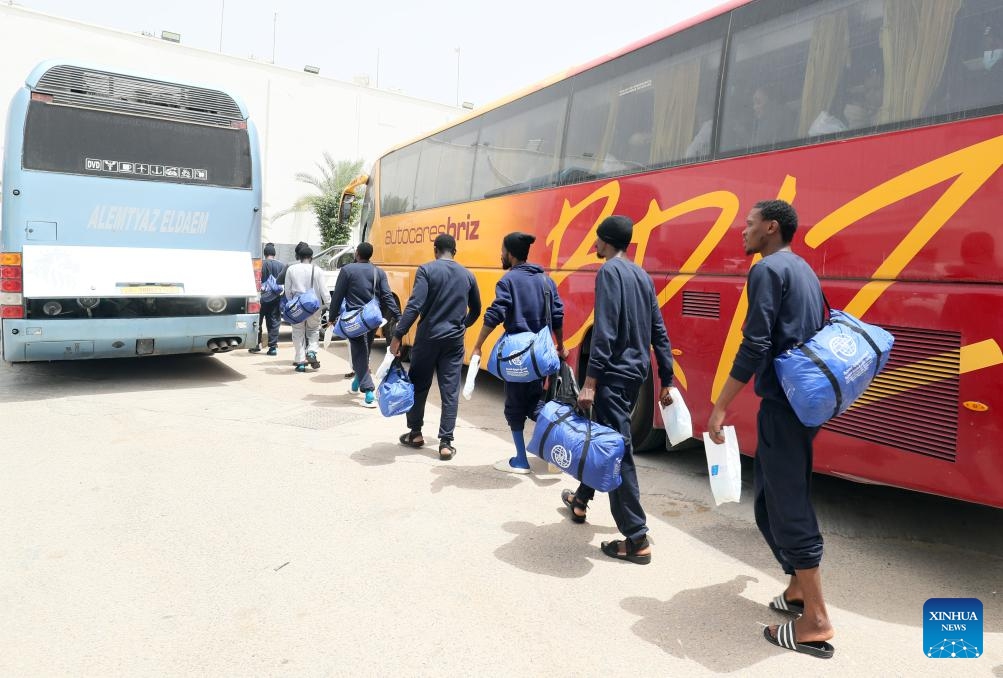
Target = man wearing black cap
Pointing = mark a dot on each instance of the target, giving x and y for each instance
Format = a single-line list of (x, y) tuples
[(526, 300), (628, 323), (446, 297), (270, 313)]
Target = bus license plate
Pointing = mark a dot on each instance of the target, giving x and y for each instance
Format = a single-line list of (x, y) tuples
[(152, 289)]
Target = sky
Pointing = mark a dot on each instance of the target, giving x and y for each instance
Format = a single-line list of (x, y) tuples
[(403, 45)]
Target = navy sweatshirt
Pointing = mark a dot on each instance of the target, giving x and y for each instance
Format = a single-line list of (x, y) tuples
[(446, 297), (520, 298), (786, 307), (627, 322), (355, 288), (273, 267)]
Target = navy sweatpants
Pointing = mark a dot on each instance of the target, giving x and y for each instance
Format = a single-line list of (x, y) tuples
[(522, 401), (444, 357), (782, 486), (360, 347), (612, 407), (270, 318)]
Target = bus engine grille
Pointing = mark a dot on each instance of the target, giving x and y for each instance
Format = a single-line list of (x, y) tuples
[(913, 404), (86, 88)]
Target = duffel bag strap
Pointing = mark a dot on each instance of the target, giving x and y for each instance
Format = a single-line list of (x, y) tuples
[(585, 447)]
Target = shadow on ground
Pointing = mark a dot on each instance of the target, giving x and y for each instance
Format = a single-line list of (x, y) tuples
[(554, 549), (703, 625), (21, 382)]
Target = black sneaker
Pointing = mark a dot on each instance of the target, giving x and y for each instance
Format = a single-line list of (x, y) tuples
[(256, 349), (311, 358)]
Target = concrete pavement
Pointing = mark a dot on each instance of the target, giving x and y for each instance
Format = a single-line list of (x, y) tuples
[(224, 516)]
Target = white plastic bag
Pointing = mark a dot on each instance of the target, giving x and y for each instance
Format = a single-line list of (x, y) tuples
[(724, 467), (676, 417), (384, 367), (475, 367)]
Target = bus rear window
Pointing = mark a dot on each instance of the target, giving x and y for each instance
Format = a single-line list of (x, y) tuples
[(83, 141)]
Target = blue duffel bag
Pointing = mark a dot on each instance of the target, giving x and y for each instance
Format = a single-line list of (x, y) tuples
[(302, 306), (359, 321), (395, 394), (524, 357), (590, 452), (824, 375)]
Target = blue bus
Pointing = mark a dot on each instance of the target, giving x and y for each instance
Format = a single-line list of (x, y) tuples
[(131, 218)]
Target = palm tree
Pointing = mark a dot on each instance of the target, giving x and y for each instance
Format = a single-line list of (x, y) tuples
[(334, 176)]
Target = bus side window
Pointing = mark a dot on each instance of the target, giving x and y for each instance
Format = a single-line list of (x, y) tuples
[(648, 109)]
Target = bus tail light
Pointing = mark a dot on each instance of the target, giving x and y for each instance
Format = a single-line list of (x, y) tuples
[(253, 305), (11, 286)]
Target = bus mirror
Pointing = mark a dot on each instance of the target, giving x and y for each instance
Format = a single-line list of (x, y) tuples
[(345, 213)]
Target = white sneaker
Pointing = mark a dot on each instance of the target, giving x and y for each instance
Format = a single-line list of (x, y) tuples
[(503, 465)]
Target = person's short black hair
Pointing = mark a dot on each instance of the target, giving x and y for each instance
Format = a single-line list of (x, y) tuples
[(365, 251), (445, 243), (305, 252), (299, 248), (781, 212), (269, 250)]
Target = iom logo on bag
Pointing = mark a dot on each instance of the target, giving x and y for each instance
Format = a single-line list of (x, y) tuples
[(517, 360), (952, 628), (560, 456), (843, 347)]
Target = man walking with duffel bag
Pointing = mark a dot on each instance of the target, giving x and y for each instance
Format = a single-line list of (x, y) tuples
[(628, 324), (526, 300)]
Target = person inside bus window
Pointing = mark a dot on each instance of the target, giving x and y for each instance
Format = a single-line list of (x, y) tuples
[(863, 101), (770, 121), (992, 48), (700, 145), (521, 298)]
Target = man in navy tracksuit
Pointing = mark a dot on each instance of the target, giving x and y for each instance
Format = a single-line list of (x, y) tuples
[(628, 324), (521, 304), (445, 295), (786, 308), (358, 284), (270, 311)]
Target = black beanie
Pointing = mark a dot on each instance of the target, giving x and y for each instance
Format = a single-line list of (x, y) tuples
[(517, 244), (617, 230)]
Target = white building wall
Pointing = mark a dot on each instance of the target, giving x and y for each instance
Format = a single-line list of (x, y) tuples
[(298, 115)]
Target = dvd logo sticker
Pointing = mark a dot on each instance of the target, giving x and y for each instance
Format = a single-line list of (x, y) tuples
[(952, 628)]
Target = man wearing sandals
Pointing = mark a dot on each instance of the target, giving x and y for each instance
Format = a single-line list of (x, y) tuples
[(521, 300), (628, 324), (786, 308), (446, 297)]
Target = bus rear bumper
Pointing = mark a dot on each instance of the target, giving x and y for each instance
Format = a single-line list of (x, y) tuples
[(26, 340)]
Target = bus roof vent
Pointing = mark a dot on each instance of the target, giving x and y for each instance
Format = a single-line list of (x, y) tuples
[(87, 88)]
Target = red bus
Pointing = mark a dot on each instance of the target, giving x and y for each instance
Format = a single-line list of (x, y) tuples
[(880, 120)]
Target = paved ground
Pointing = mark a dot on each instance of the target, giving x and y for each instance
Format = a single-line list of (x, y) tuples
[(223, 516)]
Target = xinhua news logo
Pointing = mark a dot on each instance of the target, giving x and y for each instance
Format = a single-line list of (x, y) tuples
[(952, 628)]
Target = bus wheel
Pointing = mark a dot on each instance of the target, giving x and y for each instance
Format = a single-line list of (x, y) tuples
[(644, 436)]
